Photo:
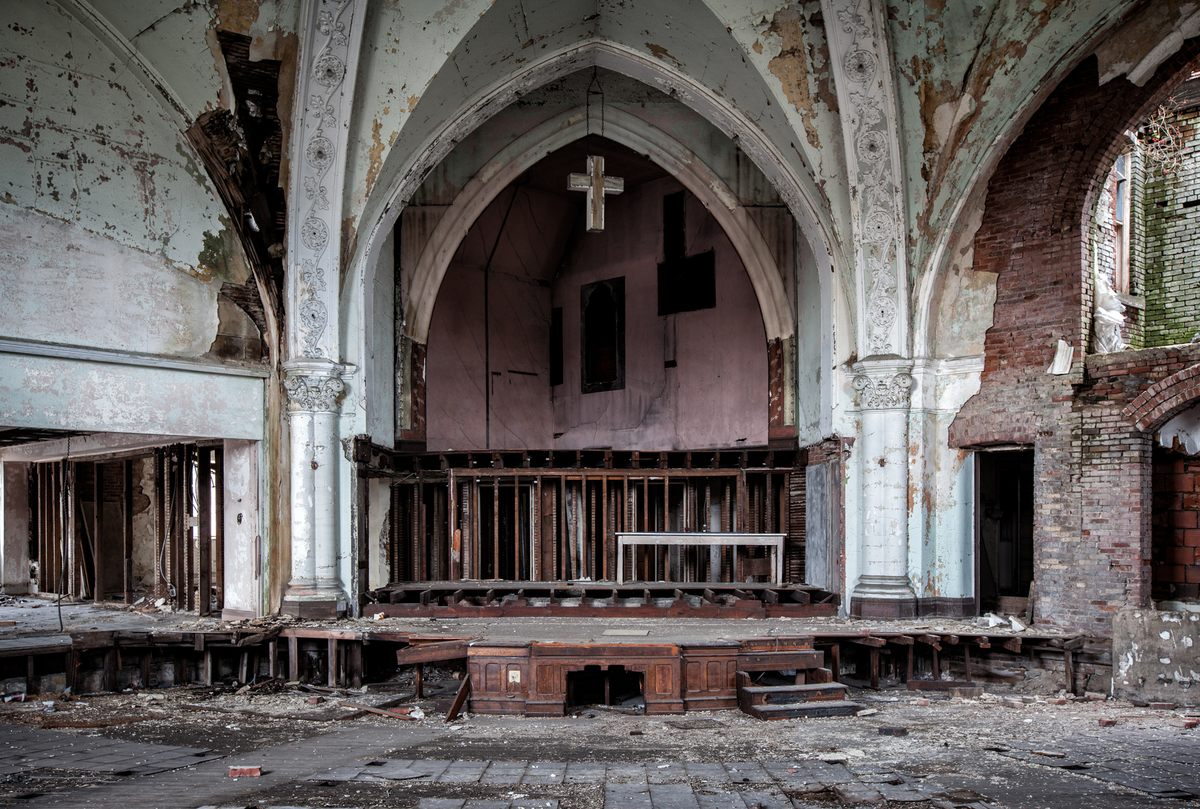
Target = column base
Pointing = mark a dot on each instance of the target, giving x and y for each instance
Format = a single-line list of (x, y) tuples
[(314, 601), (946, 607), (883, 597)]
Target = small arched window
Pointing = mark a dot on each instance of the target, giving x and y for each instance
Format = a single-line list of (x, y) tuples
[(602, 306)]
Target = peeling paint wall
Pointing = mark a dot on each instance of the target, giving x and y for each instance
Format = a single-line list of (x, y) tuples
[(448, 55), (715, 392), (49, 393), (968, 74), (1156, 656), (105, 219), (145, 524)]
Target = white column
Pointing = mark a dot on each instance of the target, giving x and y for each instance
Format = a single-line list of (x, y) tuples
[(314, 389), (327, 67), (14, 528), (883, 588)]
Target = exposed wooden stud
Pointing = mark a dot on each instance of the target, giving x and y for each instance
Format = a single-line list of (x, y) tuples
[(127, 530), (99, 584), (495, 528), (293, 658), (204, 531), (218, 555)]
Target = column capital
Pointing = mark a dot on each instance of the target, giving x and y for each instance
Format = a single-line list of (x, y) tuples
[(313, 385), (883, 384)]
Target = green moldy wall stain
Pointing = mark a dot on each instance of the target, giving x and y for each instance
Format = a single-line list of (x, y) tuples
[(1171, 212), (221, 258)]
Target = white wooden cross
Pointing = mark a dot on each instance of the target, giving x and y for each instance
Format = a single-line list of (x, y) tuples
[(597, 187)]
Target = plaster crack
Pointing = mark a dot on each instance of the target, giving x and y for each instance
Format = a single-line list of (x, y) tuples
[(152, 25)]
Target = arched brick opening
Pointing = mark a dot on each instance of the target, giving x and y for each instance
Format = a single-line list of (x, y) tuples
[(1092, 478), (1164, 399), (1175, 486)]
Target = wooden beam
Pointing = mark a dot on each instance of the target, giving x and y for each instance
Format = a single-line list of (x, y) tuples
[(99, 585), (460, 699), (870, 641), (127, 531), (440, 652), (218, 560), (204, 531)]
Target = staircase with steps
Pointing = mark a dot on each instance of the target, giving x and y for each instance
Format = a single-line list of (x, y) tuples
[(811, 692)]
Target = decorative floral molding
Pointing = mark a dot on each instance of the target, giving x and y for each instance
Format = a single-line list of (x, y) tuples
[(326, 92), (858, 46), (879, 392), (314, 391)]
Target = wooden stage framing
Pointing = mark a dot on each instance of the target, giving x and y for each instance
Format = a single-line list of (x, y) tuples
[(470, 599)]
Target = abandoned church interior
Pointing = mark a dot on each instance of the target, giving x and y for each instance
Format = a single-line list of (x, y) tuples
[(691, 354)]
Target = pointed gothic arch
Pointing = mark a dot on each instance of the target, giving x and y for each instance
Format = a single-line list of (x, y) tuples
[(628, 130), (800, 193)]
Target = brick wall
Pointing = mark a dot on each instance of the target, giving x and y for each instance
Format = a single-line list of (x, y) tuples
[(1171, 212), (1091, 465), (1176, 525)]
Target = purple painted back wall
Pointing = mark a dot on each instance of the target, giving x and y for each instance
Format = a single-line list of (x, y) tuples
[(716, 396)]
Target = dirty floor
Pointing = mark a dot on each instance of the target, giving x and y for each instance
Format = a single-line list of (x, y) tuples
[(174, 748)]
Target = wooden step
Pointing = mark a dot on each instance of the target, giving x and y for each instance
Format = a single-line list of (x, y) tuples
[(792, 644), (780, 661), (798, 710), (791, 694)]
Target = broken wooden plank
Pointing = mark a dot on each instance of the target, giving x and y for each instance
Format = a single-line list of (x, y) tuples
[(868, 640), (441, 652), (397, 714), (460, 699)]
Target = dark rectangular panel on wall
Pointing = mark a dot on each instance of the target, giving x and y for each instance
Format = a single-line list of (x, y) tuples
[(687, 284), (602, 316)]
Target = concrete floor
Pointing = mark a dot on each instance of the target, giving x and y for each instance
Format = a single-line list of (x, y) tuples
[(990, 752), (173, 747)]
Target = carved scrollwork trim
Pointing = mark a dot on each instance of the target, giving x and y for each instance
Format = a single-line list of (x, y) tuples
[(863, 92), (328, 80), (314, 392), (880, 392)]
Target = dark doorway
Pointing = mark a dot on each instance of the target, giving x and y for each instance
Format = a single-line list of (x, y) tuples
[(1175, 518), (1004, 526)]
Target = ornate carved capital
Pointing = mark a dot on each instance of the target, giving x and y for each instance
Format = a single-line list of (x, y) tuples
[(879, 392), (314, 391)]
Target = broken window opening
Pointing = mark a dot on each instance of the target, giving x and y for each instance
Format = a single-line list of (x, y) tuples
[(1119, 180), (685, 283)]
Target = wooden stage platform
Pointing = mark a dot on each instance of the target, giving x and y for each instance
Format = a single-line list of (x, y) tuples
[(546, 664), (479, 599)]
